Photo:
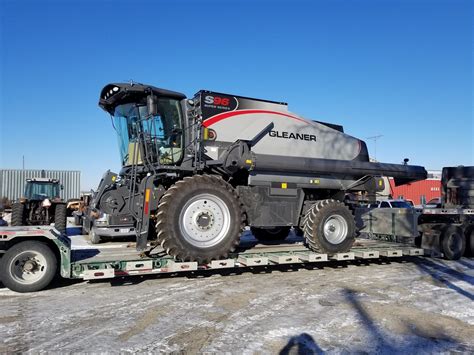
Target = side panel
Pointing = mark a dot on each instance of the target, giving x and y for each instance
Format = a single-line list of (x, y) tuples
[(291, 136), (234, 117), (271, 206), (400, 222)]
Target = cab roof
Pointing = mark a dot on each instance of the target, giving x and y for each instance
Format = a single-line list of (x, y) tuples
[(118, 93)]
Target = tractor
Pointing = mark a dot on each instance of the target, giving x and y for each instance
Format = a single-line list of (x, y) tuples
[(40, 205)]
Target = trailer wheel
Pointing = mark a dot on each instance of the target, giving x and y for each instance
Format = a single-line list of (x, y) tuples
[(329, 227), (469, 234), (95, 238), (28, 266), (200, 218), (266, 234), (60, 218), (453, 242), (18, 214)]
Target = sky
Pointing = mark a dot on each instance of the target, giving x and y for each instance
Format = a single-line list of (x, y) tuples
[(402, 69)]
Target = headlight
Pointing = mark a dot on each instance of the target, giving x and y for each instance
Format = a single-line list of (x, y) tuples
[(46, 203)]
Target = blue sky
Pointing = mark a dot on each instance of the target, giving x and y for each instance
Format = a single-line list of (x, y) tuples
[(397, 68)]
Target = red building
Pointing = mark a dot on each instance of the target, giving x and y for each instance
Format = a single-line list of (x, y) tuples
[(419, 192)]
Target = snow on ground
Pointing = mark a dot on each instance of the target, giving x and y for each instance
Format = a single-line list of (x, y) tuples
[(414, 305)]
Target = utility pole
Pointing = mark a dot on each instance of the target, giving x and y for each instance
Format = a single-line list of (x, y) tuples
[(23, 162), (374, 138)]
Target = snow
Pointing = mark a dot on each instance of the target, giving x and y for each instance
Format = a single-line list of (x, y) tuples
[(420, 305)]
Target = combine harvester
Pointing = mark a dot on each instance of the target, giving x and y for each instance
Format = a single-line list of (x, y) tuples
[(197, 172)]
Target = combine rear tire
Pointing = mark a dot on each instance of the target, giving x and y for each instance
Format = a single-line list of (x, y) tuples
[(329, 227), (28, 266), (199, 219), (453, 242), (266, 234), (60, 218), (18, 214)]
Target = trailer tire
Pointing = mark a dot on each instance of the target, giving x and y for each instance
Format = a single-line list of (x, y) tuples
[(329, 227), (32, 255), (60, 218), (18, 214), (267, 234), (469, 234), (200, 218), (453, 242), (95, 238)]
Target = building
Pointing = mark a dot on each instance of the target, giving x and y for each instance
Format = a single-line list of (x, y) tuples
[(12, 182), (420, 192)]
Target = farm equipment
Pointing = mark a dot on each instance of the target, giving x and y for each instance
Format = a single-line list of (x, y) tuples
[(40, 205), (201, 170)]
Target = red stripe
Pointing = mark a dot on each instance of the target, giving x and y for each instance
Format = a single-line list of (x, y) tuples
[(225, 115)]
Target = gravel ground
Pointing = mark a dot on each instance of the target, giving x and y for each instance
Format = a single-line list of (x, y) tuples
[(417, 305)]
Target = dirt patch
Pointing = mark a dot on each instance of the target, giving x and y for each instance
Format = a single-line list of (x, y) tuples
[(326, 303), (407, 320), (193, 340), (235, 302), (432, 281), (143, 323), (9, 319)]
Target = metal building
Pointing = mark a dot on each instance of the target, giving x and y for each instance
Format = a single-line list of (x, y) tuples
[(12, 181)]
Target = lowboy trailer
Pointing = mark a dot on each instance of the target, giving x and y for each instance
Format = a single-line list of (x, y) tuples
[(32, 256)]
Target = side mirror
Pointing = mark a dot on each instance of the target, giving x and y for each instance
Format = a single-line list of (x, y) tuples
[(152, 105), (62, 187)]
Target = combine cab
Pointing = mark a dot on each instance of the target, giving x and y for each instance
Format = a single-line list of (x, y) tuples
[(41, 205)]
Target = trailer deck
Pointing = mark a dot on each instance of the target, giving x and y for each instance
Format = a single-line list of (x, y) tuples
[(102, 262)]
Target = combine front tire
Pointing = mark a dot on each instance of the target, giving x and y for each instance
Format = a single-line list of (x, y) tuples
[(28, 266), (60, 218), (18, 214), (266, 234), (329, 227), (199, 219)]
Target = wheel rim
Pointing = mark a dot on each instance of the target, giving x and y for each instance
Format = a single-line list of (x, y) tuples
[(28, 267), (204, 220), (335, 229)]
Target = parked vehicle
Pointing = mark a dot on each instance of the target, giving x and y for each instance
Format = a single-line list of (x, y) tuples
[(391, 204), (109, 227), (433, 203), (40, 205)]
